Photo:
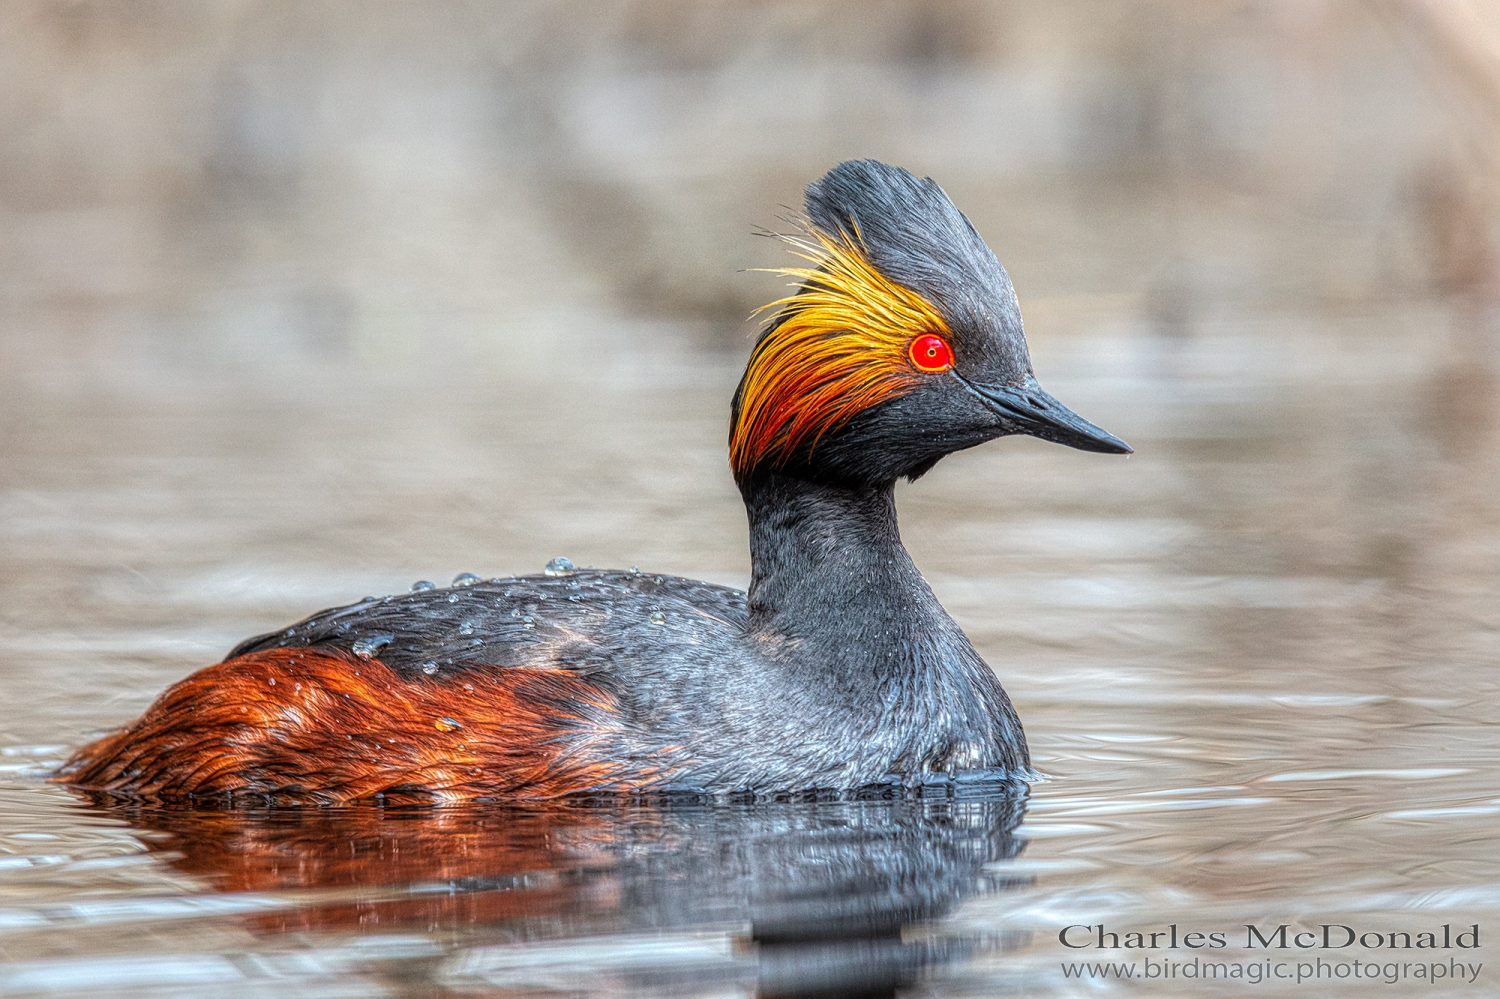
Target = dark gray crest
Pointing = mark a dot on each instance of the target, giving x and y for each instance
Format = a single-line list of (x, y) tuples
[(917, 237)]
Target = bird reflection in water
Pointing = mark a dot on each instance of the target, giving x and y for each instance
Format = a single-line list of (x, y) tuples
[(824, 887)]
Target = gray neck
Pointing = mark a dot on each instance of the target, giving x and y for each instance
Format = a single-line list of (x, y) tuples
[(843, 613), (829, 569)]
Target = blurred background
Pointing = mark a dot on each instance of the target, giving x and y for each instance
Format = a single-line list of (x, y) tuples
[(383, 184), (302, 301), (295, 297)]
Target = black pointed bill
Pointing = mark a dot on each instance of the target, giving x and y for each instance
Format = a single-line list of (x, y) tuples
[(1026, 409)]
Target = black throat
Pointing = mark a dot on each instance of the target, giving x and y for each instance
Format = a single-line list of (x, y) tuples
[(844, 617), (829, 570)]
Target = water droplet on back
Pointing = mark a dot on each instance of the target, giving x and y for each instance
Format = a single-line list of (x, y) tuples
[(453, 598), (527, 622), (467, 628), (657, 617), (429, 667), (466, 579), (367, 646), (447, 725), (423, 584), (559, 567)]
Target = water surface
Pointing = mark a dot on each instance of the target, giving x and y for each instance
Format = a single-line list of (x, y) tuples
[(1256, 663)]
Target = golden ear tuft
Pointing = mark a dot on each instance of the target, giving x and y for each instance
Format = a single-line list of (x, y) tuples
[(834, 349)]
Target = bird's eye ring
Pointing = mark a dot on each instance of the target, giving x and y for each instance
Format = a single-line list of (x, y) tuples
[(930, 352)]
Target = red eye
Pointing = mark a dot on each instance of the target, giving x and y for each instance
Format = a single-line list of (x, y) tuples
[(930, 352)]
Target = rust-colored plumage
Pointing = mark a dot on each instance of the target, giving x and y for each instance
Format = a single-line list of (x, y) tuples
[(837, 347), (324, 726)]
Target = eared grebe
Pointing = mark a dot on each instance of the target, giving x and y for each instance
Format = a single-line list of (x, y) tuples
[(839, 669)]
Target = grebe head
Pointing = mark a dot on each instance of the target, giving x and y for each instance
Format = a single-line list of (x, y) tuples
[(902, 344)]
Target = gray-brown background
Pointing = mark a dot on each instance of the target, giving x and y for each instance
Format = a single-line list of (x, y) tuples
[(300, 301)]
